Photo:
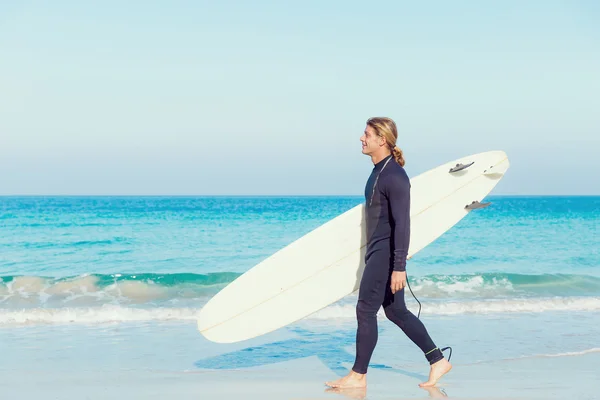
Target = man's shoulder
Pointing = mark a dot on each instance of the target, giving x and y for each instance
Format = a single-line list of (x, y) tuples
[(396, 180), (396, 176)]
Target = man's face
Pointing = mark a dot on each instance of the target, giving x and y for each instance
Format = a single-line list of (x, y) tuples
[(370, 141)]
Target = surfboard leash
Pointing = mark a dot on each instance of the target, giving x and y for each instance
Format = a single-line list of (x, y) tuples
[(408, 283), (419, 315)]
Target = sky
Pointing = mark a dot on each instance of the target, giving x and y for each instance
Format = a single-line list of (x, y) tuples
[(271, 98)]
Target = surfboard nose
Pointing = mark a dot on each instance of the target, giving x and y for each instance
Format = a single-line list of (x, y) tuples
[(499, 169)]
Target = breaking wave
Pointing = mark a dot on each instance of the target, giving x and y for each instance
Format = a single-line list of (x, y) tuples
[(152, 288), (102, 298)]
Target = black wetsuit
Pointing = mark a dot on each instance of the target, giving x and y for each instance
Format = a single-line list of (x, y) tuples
[(388, 236)]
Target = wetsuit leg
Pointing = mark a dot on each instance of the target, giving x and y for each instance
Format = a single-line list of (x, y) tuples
[(396, 311), (374, 292), (371, 295)]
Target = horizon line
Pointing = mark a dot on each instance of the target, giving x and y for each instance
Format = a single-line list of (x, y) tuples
[(280, 195)]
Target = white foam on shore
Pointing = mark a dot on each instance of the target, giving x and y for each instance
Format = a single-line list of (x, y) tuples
[(533, 356), (535, 305), (94, 315), (335, 313), (570, 354)]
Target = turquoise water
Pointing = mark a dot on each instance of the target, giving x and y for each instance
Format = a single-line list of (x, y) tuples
[(517, 279)]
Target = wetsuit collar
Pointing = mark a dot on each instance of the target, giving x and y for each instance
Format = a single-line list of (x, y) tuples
[(379, 165)]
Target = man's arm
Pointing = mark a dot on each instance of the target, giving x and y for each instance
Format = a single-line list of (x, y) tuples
[(398, 194)]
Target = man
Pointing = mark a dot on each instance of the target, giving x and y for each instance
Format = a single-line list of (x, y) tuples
[(387, 214)]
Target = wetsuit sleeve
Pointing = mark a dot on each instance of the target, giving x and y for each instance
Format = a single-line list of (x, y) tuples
[(398, 194)]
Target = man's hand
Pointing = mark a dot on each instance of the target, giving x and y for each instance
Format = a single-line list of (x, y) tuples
[(398, 281)]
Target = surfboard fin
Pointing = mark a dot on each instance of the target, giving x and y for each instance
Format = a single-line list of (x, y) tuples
[(476, 205), (460, 167)]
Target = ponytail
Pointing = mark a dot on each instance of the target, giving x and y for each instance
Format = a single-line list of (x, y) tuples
[(398, 155)]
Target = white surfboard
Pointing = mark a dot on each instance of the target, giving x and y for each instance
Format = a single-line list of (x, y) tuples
[(326, 264)]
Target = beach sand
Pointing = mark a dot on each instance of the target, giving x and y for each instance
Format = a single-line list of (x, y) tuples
[(570, 377), (541, 356)]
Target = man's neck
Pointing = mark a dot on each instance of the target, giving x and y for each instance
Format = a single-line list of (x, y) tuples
[(380, 156)]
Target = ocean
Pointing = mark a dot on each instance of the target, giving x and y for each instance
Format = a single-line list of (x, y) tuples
[(114, 283)]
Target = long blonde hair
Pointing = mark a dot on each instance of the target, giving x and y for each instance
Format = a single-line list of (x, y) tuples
[(386, 127)]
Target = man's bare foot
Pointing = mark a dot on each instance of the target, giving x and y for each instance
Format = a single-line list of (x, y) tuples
[(352, 380), (437, 370)]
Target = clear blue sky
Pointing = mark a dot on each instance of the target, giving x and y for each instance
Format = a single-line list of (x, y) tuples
[(221, 97)]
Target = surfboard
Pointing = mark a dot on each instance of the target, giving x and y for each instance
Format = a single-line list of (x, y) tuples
[(327, 263)]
